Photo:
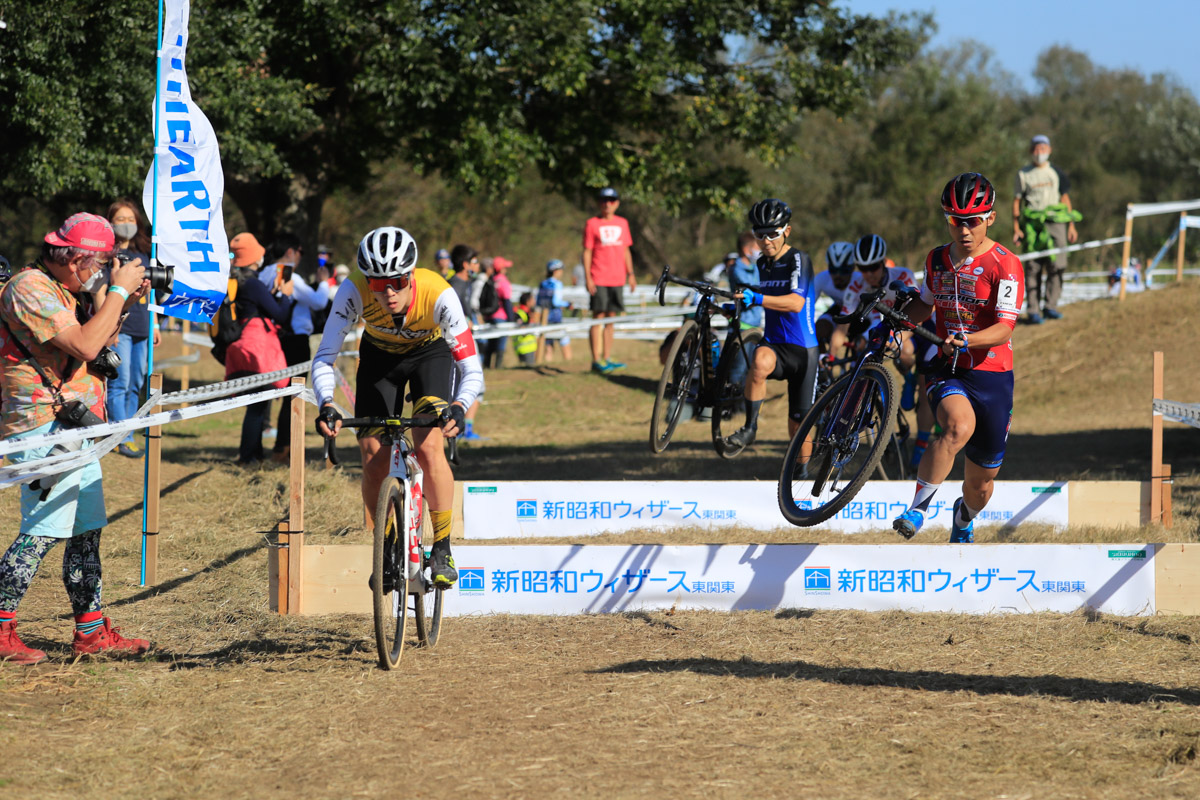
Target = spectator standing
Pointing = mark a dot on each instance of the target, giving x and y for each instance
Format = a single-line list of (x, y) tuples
[(464, 260), (47, 345), (124, 391), (493, 349), (744, 273), (550, 297), (340, 273), (443, 264), (258, 350), (608, 265), (297, 329), (1044, 219), (525, 344)]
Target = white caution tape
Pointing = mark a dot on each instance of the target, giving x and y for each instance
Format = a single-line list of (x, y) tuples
[(1072, 248), (1147, 209), (150, 421), (506, 329), (230, 387)]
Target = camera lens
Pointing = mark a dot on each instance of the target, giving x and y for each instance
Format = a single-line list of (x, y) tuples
[(161, 278)]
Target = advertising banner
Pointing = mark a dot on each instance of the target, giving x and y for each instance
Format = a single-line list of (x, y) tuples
[(526, 509), (979, 579), (185, 187)]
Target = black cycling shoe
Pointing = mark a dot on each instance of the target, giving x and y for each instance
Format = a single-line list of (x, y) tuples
[(441, 564), (742, 437)]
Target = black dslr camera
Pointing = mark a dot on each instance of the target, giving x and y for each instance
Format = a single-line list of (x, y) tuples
[(105, 364), (161, 277)]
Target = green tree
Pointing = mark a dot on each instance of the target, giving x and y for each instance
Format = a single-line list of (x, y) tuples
[(307, 96)]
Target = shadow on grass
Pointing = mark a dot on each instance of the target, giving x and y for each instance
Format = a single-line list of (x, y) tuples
[(175, 583), (164, 491), (272, 649), (648, 385), (1073, 689)]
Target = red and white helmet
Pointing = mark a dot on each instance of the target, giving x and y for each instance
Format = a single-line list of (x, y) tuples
[(968, 194)]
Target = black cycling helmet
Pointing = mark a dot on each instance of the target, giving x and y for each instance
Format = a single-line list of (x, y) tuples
[(769, 213), (839, 258), (870, 250), (968, 194)]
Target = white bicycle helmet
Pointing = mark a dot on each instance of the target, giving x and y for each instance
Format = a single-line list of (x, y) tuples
[(870, 250), (387, 253), (839, 258)]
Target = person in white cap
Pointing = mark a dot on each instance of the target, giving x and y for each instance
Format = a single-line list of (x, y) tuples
[(1043, 219)]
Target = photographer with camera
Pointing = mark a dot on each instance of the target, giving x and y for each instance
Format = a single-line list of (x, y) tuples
[(48, 386)]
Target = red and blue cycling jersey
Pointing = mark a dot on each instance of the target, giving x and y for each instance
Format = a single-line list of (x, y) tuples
[(974, 297)]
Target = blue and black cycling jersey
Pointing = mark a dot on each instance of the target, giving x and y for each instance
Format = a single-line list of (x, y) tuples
[(791, 274)]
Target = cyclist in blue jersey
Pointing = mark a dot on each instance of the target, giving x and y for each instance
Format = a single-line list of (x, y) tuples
[(785, 291)]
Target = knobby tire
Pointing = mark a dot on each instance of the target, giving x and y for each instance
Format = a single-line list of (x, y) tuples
[(390, 554), (673, 385), (860, 459), (725, 419)]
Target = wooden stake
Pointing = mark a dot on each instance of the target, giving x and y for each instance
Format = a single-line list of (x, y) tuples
[(296, 505), (1125, 248), (279, 558), (1156, 443), (1166, 496), (185, 378), (153, 491), (1182, 240)]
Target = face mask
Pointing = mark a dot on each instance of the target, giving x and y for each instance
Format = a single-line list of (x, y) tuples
[(125, 230), (98, 279), (1041, 158)]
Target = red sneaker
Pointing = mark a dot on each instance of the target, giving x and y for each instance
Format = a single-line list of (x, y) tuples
[(106, 638), (13, 650)]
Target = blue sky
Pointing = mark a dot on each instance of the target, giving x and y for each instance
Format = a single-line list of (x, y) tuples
[(1150, 36)]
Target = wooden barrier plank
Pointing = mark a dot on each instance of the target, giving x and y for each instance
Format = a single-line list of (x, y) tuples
[(335, 579), (1177, 579), (1156, 441), (1108, 503)]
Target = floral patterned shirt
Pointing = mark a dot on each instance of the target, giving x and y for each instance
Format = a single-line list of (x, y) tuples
[(35, 308)]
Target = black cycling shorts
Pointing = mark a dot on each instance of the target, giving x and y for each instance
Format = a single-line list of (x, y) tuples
[(383, 378), (798, 366)]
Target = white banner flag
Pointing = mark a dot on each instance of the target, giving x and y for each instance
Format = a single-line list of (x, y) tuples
[(189, 229)]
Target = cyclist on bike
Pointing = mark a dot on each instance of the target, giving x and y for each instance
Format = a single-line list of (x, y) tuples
[(833, 282), (415, 335), (789, 349), (977, 287)]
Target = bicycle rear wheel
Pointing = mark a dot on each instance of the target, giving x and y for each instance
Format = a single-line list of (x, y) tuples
[(843, 454), (730, 394), (674, 384), (389, 575), (427, 598)]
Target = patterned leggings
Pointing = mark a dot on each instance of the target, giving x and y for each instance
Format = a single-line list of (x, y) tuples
[(80, 569)]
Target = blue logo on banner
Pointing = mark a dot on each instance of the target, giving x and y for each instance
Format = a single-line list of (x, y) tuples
[(527, 509), (805, 505), (817, 579), (471, 580)]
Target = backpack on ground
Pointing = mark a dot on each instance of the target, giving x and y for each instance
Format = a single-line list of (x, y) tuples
[(226, 327)]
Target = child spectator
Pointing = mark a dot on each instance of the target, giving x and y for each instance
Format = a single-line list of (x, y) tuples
[(550, 297), (526, 343)]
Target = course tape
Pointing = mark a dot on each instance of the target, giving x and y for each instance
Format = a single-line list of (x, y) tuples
[(1146, 209), (1187, 413), (138, 423), (1072, 248)]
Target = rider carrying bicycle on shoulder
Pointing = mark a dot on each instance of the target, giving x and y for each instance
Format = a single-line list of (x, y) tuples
[(415, 335), (789, 348), (977, 287)]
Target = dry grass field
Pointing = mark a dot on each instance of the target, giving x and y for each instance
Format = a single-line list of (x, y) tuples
[(238, 702)]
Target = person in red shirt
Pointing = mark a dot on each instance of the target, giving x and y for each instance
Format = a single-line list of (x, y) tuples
[(977, 287), (608, 267)]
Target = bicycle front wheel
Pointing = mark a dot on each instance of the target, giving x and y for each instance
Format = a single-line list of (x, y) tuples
[(730, 394), (832, 454), (427, 598), (389, 575), (674, 384)]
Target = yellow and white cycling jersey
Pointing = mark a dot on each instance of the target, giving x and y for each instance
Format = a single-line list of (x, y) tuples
[(435, 313)]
